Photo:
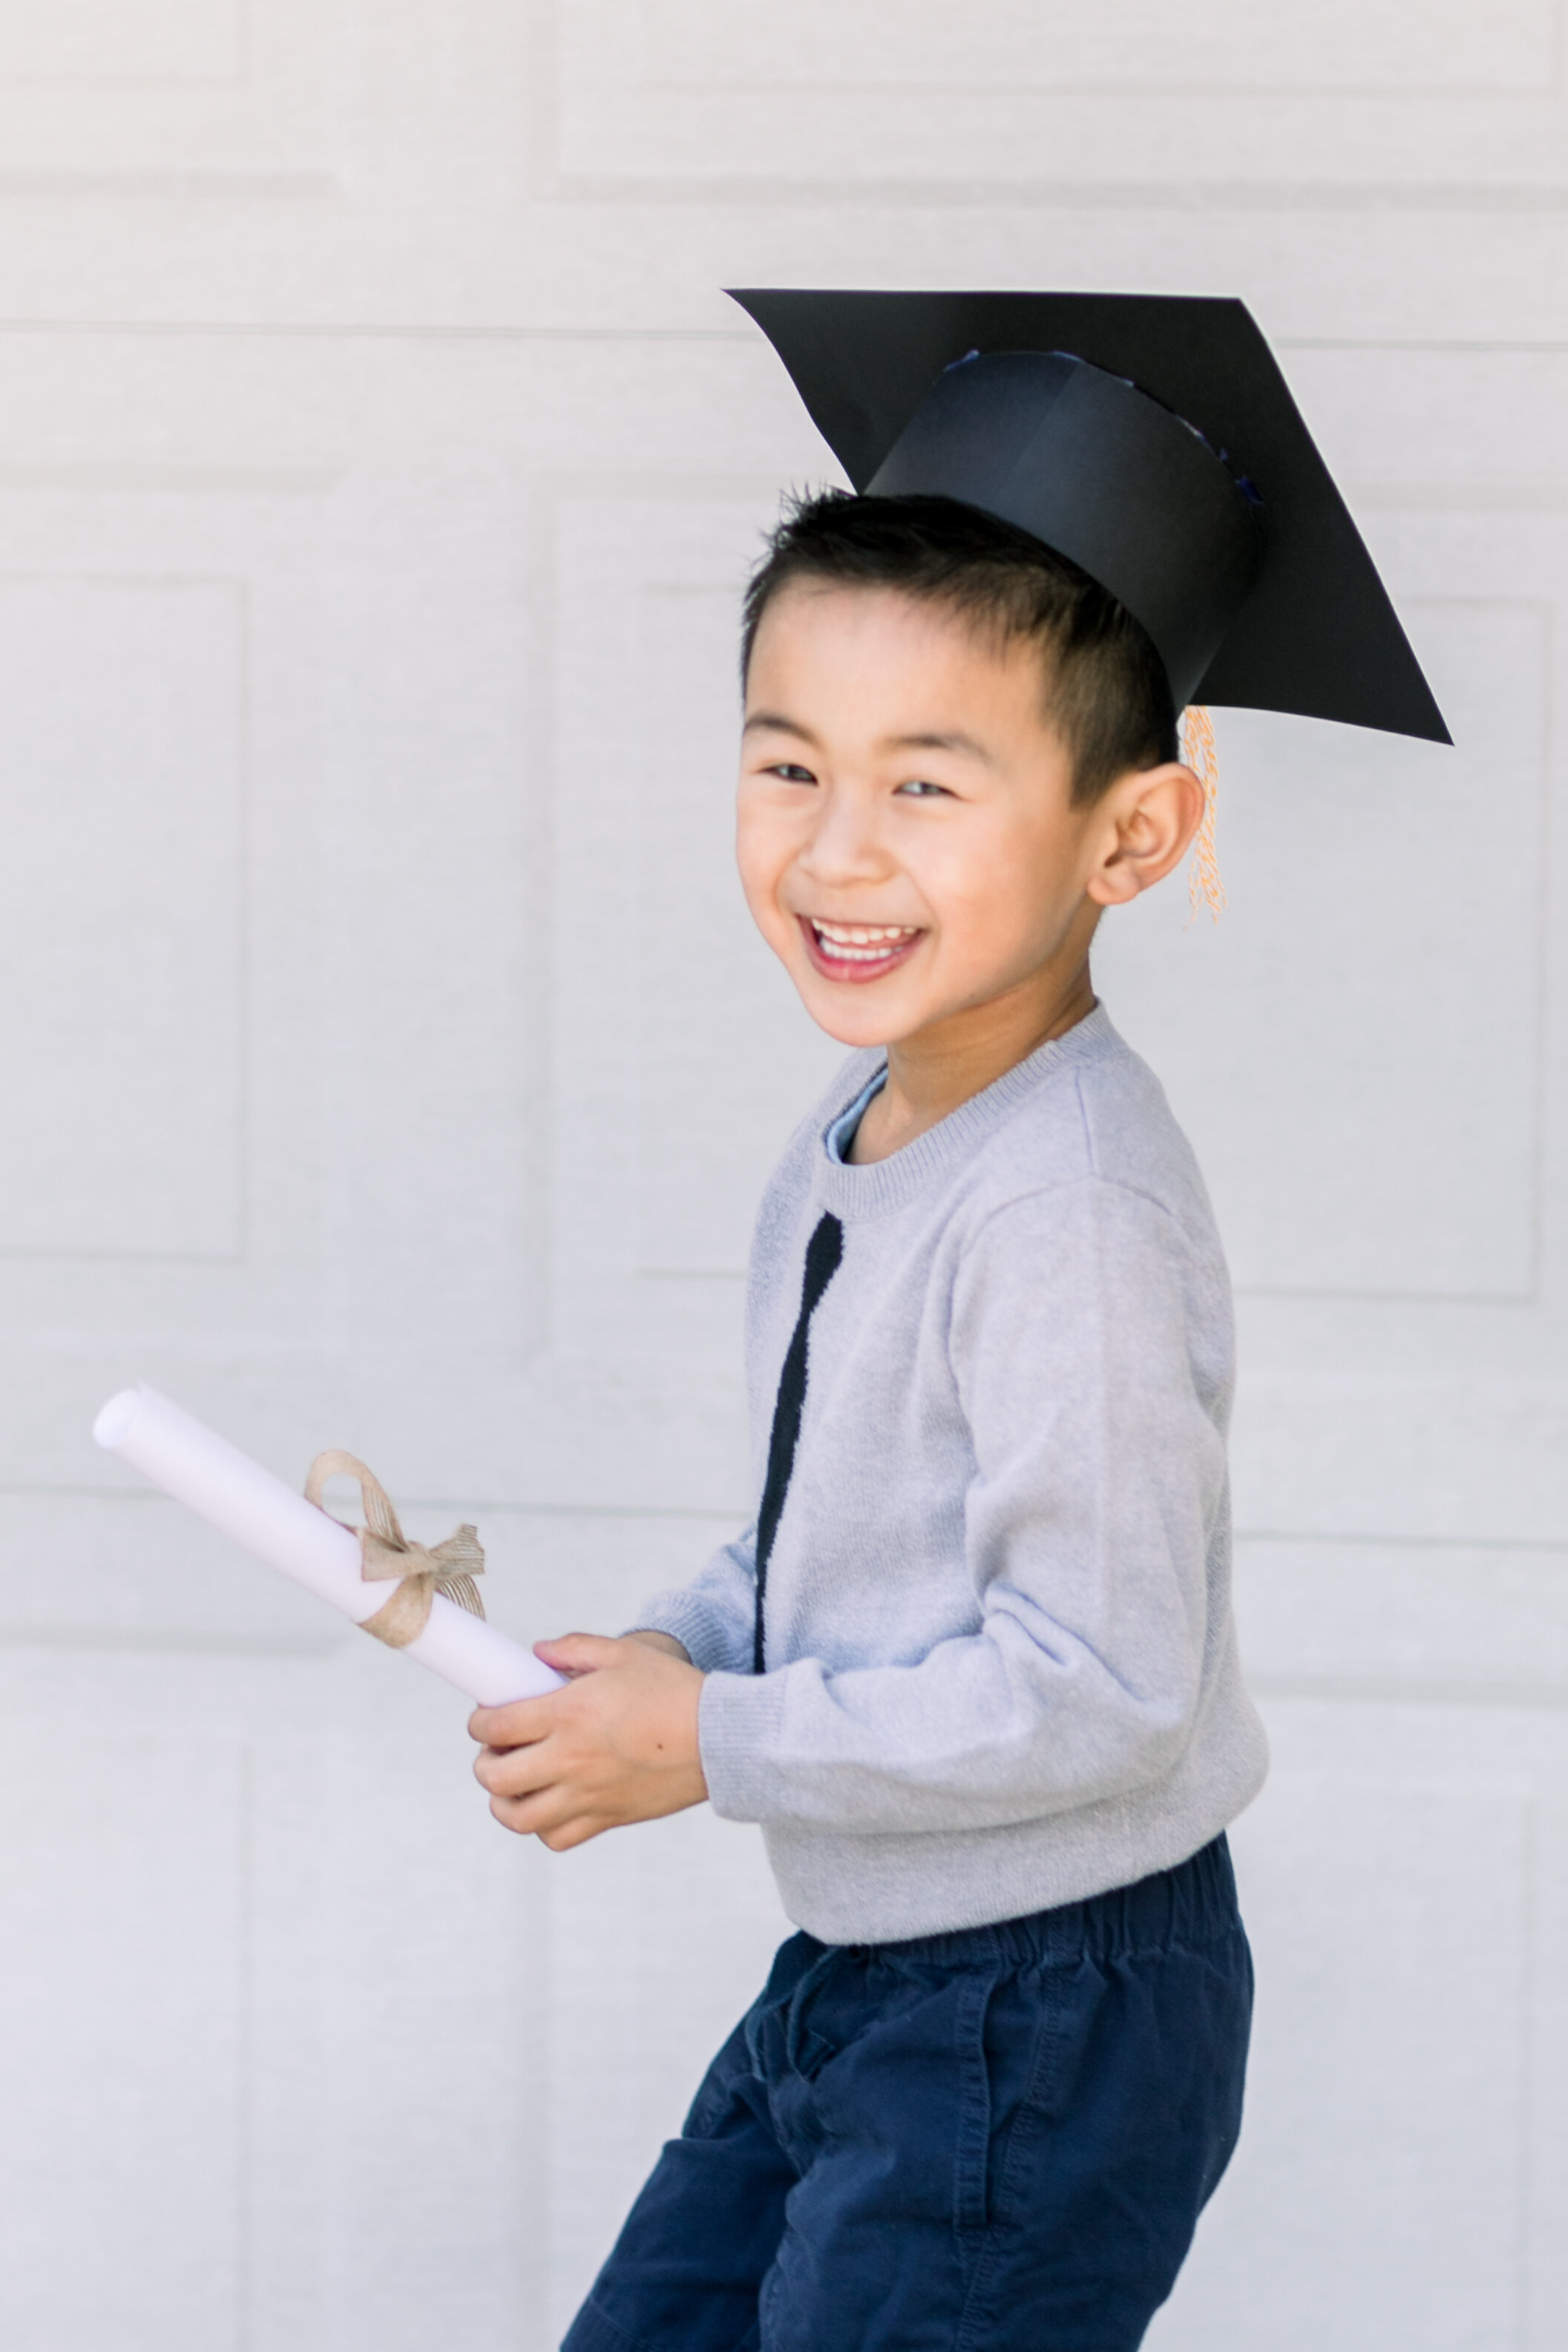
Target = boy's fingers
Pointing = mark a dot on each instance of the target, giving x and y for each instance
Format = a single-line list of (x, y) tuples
[(527, 1719), (575, 1831), (515, 1772), (534, 1814), (554, 1824), (578, 1654), (515, 1726)]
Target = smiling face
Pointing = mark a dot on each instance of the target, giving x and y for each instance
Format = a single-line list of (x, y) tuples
[(907, 836)]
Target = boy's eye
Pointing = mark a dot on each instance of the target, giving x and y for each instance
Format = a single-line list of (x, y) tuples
[(921, 788), (790, 773)]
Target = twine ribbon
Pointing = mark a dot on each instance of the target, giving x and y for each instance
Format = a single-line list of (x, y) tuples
[(385, 1551), (1204, 885)]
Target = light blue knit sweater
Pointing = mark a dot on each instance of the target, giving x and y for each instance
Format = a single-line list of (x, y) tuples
[(1001, 1662)]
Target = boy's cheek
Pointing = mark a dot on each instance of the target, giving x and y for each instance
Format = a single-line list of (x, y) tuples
[(770, 832), (759, 881)]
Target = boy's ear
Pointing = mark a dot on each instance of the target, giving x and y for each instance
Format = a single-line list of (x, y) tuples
[(1147, 820)]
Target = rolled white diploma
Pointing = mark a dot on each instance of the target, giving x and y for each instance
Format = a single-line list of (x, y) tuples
[(240, 1499)]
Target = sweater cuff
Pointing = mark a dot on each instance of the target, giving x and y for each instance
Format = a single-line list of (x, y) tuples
[(705, 1632), (739, 1720)]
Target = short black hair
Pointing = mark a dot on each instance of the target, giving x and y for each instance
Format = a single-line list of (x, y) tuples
[(1107, 692)]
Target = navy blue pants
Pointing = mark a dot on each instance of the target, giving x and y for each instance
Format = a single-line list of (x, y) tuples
[(979, 2142)]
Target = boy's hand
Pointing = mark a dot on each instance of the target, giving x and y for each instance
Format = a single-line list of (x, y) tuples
[(617, 1744)]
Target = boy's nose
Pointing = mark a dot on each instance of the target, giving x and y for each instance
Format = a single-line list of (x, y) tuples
[(845, 845)]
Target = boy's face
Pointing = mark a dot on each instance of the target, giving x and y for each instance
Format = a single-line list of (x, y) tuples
[(906, 837)]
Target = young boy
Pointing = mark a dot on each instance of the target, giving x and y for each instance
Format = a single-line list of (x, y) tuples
[(973, 1667)]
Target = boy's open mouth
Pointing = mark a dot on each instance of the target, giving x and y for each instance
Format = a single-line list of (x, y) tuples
[(857, 951)]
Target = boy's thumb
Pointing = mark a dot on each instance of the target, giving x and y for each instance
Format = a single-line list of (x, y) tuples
[(577, 1653)]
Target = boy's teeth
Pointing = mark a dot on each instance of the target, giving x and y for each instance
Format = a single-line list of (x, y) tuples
[(862, 942)]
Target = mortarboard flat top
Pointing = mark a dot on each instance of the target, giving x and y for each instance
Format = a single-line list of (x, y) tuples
[(1173, 468)]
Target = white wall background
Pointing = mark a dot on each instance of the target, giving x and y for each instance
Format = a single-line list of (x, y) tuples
[(378, 465)]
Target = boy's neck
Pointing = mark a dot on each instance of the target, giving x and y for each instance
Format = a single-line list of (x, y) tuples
[(931, 1074)]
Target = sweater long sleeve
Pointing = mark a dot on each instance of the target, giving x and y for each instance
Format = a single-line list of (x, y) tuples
[(1002, 1663), (714, 1615)]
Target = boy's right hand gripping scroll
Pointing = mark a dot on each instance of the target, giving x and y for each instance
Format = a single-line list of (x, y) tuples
[(619, 1744)]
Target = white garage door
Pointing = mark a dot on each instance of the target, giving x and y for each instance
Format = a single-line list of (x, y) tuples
[(379, 464)]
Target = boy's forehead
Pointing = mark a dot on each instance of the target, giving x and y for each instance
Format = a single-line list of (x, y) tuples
[(908, 671), (825, 625)]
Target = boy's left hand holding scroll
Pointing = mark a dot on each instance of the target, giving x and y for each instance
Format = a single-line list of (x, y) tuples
[(619, 1744)]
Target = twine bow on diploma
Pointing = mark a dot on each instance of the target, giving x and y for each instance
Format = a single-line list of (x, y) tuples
[(385, 1551)]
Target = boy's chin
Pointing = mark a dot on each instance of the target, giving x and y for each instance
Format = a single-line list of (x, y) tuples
[(861, 1016)]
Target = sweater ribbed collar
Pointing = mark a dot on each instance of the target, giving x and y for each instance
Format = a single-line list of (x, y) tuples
[(885, 1184)]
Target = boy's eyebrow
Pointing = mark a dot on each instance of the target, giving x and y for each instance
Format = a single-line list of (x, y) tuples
[(928, 740), (776, 723), (947, 739)]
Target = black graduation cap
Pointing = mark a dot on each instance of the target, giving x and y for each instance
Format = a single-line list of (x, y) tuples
[(1150, 438)]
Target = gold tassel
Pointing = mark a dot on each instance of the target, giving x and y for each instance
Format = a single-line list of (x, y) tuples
[(1204, 885)]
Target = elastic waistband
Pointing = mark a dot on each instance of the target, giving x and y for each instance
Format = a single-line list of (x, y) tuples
[(1187, 1906)]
